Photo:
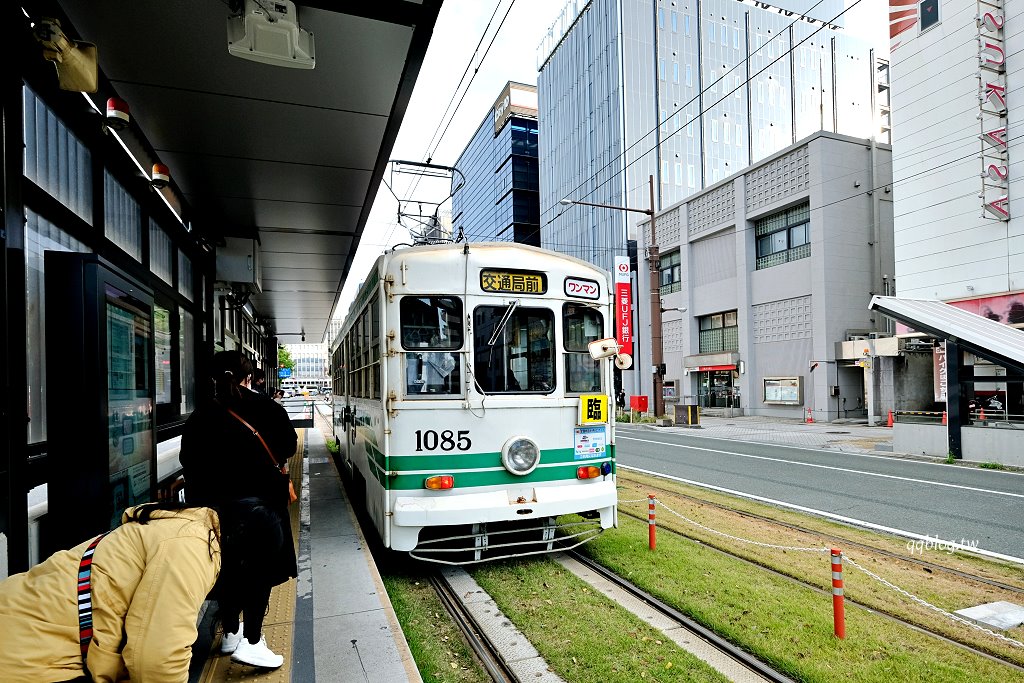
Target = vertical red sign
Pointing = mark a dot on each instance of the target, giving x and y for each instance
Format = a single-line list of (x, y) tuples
[(623, 306)]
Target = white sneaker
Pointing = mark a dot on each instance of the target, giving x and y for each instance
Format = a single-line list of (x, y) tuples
[(229, 641), (256, 655)]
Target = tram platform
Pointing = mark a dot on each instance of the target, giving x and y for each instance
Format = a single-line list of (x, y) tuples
[(335, 622)]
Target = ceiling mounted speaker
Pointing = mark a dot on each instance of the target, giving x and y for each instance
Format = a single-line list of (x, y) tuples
[(75, 61)]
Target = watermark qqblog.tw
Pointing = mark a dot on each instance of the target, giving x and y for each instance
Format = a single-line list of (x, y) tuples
[(939, 545)]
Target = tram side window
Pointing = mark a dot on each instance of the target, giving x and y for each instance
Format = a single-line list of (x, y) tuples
[(433, 323), (374, 311), (521, 358), (582, 325)]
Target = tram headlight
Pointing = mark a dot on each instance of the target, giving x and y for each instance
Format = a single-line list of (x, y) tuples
[(520, 455)]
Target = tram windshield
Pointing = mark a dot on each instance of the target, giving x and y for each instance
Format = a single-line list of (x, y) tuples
[(519, 358), (581, 326), (433, 324)]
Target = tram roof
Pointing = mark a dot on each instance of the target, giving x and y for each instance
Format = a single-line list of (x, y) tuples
[(989, 339), (290, 157)]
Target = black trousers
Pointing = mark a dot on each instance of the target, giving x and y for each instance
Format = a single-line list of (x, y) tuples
[(252, 607)]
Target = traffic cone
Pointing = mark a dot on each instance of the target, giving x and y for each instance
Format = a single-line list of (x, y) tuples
[(810, 417), (888, 423), (981, 415), (944, 417)]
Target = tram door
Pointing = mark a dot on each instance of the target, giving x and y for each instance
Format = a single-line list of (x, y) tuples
[(100, 397)]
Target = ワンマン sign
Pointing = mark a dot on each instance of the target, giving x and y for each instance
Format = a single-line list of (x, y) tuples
[(995, 161)]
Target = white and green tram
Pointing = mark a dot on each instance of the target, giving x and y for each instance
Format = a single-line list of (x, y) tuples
[(469, 412)]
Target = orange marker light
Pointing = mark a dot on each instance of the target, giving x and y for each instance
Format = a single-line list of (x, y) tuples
[(440, 482), (588, 472)]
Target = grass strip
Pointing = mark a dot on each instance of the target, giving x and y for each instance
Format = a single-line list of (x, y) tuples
[(784, 623), (582, 635), (437, 645), (948, 591)]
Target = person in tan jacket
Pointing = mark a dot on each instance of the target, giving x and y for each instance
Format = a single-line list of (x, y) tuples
[(149, 579)]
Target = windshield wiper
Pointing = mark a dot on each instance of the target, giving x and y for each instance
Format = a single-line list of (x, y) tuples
[(504, 321)]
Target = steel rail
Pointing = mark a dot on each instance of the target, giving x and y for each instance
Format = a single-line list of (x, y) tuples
[(845, 542), (495, 665), (736, 653), (876, 610)]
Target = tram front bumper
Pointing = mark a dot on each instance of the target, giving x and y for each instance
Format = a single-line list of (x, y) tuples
[(498, 506)]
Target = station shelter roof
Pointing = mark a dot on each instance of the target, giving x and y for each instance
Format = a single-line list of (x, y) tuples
[(290, 157), (985, 338)]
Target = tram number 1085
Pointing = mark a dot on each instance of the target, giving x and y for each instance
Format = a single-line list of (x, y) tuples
[(447, 440)]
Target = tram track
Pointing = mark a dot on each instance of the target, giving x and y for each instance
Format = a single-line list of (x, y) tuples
[(992, 655), (840, 540), (755, 669), (485, 650)]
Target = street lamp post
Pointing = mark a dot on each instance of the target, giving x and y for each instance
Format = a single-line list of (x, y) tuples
[(657, 349)]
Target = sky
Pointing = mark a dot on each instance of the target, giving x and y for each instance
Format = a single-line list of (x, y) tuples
[(511, 57)]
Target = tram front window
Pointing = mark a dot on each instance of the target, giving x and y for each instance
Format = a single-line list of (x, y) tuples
[(521, 358), (432, 323), (581, 325)]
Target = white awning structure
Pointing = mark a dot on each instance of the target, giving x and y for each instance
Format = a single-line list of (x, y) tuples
[(981, 336)]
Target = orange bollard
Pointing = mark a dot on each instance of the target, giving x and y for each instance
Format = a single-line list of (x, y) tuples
[(888, 422), (838, 609), (944, 417), (650, 520)]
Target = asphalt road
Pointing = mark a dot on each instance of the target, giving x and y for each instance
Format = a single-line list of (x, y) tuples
[(959, 504)]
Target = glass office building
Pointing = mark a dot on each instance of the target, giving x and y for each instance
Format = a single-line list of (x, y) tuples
[(689, 92), (499, 201)]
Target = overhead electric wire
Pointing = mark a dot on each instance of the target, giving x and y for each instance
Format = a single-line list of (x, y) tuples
[(429, 156), (697, 97), (475, 72), (724, 97), (462, 78), (863, 193)]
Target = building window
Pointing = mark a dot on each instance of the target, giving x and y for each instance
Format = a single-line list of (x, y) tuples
[(123, 218), (55, 159), (185, 276), (783, 237), (929, 10), (161, 253), (670, 273), (719, 333)]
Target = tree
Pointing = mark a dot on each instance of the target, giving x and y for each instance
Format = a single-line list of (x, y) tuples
[(284, 359)]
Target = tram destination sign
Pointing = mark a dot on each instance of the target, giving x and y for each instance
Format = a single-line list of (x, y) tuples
[(513, 281)]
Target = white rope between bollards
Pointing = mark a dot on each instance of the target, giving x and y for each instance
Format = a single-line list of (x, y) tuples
[(743, 540), (925, 603)]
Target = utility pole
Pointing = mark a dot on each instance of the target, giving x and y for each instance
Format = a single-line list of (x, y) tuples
[(657, 347), (657, 350)]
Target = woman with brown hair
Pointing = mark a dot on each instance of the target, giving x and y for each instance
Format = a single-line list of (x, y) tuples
[(236, 447)]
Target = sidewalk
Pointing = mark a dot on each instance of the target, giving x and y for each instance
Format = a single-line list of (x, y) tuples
[(842, 436)]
